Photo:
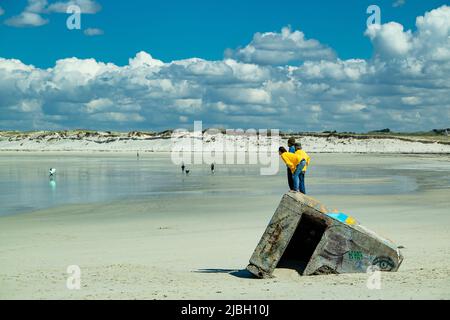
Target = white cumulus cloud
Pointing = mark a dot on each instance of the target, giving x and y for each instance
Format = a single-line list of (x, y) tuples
[(93, 32), (398, 3), (26, 19), (404, 86), (35, 10), (390, 39), (86, 6), (282, 48)]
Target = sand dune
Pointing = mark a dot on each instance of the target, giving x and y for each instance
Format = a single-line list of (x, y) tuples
[(161, 142)]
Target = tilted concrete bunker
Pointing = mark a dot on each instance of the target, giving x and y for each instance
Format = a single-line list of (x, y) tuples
[(306, 236)]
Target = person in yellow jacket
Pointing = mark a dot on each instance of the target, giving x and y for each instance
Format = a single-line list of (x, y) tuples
[(294, 163), (305, 159)]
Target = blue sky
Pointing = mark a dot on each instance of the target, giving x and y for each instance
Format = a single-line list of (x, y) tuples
[(259, 62), (178, 29)]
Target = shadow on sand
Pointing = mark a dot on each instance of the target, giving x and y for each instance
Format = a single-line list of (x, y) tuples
[(244, 274)]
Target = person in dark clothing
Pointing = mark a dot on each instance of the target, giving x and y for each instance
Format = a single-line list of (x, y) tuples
[(212, 167), (182, 167), (291, 145)]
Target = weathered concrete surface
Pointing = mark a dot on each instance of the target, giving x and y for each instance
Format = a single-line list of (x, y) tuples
[(304, 235)]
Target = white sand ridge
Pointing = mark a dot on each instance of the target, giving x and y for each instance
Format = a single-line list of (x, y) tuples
[(83, 140)]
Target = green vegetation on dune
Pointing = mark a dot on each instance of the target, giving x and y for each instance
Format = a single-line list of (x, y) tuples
[(436, 135)]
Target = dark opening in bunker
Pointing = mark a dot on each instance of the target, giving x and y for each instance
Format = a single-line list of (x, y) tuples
[(303, 243)]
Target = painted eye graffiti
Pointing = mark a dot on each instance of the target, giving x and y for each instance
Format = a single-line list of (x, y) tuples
[(384, 263)]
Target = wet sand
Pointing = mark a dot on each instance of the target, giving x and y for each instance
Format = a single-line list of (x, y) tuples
[(195, 246)]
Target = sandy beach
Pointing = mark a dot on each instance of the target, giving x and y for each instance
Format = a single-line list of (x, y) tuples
[(194, 244)]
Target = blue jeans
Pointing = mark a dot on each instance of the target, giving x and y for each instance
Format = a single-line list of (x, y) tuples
[(299, 178), (302, 182)]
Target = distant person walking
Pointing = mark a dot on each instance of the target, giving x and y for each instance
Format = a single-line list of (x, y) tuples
[(212, 167), (183, 167)]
